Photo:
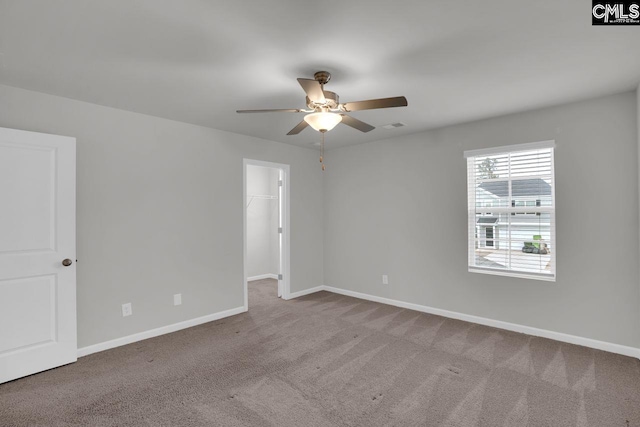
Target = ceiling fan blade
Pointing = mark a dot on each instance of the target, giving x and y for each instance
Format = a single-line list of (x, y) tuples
[(290, 110), (313, 89), (371, 104), (356, 124), (299, 128)]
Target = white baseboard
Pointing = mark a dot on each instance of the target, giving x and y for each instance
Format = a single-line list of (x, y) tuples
[(304, 292), (84, 351), (558, 336), (262, 276)]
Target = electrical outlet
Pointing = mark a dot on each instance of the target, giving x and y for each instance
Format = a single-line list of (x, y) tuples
[(177, 299), (127, 310), (385, 279)]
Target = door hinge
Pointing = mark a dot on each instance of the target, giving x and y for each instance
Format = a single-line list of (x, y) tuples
[(280, 230), (280, 183), (279, 276)]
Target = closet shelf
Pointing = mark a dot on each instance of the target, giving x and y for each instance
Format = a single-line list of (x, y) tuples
[(260, 196)]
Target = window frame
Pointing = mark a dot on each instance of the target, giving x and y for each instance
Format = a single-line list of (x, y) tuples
[(473, 210)]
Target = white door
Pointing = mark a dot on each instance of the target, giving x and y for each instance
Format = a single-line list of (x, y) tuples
[(37, 236)]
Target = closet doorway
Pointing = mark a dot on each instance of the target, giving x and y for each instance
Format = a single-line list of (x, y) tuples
[(266, 225)]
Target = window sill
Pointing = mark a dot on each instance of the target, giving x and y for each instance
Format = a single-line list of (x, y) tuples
[(511, 273)]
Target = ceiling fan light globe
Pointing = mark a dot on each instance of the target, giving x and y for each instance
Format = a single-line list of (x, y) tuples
[(323, 121)]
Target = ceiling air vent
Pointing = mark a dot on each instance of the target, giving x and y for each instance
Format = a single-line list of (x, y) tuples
[(394, 125)]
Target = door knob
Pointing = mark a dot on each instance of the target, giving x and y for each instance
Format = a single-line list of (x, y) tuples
[(66, 262)]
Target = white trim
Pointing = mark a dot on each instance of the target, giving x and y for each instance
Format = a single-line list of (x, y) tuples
[(286, 235), (85, 351), (510, 148), (262, 276), (558, 336), (305, 292)]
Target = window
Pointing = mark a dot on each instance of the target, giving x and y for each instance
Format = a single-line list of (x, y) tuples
[(520, 203), (511, 204)]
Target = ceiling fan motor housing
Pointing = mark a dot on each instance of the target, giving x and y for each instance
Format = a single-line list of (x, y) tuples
[(322, 77), (331, 101)]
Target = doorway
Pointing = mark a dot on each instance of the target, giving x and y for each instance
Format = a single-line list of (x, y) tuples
[(266, 224)]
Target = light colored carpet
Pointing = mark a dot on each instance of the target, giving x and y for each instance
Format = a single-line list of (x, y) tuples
[(331, 360)]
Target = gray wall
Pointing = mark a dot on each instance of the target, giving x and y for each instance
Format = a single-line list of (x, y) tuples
[(159, 208), (160, 212), (262, 221), (399, 207)]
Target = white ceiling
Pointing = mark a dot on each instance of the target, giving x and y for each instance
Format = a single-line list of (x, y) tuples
[(198, 61)]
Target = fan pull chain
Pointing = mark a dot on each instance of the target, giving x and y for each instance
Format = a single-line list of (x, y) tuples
[(322, 143), (322, 152)]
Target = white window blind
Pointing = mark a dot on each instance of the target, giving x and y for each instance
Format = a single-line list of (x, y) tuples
[(511, 205)]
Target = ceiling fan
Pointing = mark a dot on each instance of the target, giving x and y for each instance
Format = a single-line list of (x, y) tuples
[(325, 110)]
